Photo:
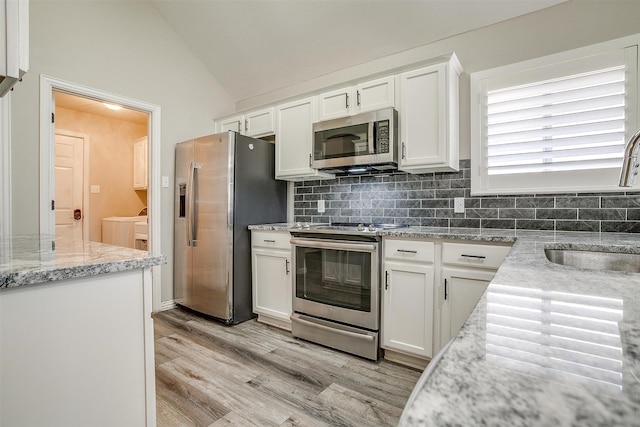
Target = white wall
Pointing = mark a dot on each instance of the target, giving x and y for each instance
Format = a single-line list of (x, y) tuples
[(125, 48)]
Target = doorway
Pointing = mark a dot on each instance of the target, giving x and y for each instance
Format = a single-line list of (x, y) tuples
[(50, 89)]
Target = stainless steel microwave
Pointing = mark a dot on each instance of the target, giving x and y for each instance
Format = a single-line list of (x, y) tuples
[(357, 143)]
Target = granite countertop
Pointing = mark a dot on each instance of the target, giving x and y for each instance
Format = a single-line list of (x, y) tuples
[(31, 259), (547, 345)]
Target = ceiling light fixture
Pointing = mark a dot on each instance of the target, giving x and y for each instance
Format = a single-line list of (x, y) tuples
[(112, 106)]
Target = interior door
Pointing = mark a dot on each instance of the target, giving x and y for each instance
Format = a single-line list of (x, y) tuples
[(69, 186)]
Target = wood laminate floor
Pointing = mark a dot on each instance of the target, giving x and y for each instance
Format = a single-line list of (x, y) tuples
[(251, 374)]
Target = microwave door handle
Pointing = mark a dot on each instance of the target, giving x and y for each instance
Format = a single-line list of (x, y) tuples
[(371, 137)]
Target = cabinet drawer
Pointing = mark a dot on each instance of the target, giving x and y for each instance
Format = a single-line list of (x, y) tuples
[(485, 256), (271, 239), (409, 250)]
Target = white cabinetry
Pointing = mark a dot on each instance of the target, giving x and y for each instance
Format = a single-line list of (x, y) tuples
[(255, 123), (294, 141), (428, 116), (408, 299), (467, 270), (272, 277), (368, 96), (14, 42), (78, 352), (140, 164)]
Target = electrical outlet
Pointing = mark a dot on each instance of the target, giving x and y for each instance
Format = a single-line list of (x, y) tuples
[(165, 182), (320, 206), (458, 204)]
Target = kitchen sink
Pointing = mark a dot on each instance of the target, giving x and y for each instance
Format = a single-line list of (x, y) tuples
[(595, 260)]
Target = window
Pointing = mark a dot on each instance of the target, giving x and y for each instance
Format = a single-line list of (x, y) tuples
[(554, 124)]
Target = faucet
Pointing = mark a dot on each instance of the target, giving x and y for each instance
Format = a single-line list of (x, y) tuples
[(630, 163)]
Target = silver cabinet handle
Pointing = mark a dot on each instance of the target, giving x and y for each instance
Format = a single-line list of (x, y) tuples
[(346, 99), (358, 98), (269, 241), (446, 290), (386, 280), (403, 150), (406, 251), (246, 124), (286, 266), (309, 159)]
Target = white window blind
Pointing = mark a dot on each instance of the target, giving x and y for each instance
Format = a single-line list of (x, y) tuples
[(554, 124), (571, 123)]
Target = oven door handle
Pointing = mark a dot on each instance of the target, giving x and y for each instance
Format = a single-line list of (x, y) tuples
[(323, 244)]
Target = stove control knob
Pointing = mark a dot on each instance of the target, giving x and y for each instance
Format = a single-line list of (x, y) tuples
[(360, 227), (372, 227)]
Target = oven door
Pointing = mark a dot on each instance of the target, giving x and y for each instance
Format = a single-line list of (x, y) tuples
[(337, 280)]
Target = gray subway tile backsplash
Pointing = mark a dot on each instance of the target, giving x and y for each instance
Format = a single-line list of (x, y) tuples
[(427, 200)]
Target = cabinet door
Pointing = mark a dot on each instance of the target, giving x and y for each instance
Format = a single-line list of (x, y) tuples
[(272, 293), (375, 95), (294, 141), (429, 120), (140, 162), (408, 307), (462, 289), (235, 124), (334, 104), (259, 123)]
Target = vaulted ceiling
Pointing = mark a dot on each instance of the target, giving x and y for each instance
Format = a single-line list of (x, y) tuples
[(254, 47)]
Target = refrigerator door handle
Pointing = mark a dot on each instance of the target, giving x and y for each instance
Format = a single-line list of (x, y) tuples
[(191, 205)]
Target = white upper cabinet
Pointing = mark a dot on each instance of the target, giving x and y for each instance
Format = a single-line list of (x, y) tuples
[(294, 141), (140, 164), (368, 96), (14, 42), (428, 116), (255, 123)]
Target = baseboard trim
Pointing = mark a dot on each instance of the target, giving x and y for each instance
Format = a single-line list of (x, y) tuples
[(406, 360)]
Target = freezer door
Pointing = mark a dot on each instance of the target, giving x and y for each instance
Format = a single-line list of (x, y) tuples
[(212, 249), (182, 273)]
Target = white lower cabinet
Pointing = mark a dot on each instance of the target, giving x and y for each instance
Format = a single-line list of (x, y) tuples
[(408, 297), (429, 289), (467, 270), (272, 277)]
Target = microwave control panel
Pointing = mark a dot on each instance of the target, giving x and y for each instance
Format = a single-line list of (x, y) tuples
[(382, 136)]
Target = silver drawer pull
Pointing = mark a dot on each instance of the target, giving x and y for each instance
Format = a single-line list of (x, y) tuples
[(269, 241), (474, 256), (407, 251)]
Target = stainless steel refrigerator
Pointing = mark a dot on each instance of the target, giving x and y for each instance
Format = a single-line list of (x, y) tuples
[(224, 183)]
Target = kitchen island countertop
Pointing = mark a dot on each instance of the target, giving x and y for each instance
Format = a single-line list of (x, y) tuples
[(546, 344), (32, 259)]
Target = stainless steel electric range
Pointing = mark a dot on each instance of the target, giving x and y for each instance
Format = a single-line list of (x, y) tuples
[(336, 297)]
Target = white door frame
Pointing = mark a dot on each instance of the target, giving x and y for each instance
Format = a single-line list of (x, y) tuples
[(5, 165), (85, 175), (47, 145)]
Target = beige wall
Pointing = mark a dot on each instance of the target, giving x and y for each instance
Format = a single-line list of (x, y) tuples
[(110, 165), (124, 48)]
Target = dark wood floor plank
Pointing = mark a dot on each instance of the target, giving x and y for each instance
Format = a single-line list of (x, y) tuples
[(257, 375)]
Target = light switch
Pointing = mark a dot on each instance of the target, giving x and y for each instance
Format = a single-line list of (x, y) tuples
[(165, 182), (95, 189)]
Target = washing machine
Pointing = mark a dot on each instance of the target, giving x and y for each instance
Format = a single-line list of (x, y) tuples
[(120, 230)]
